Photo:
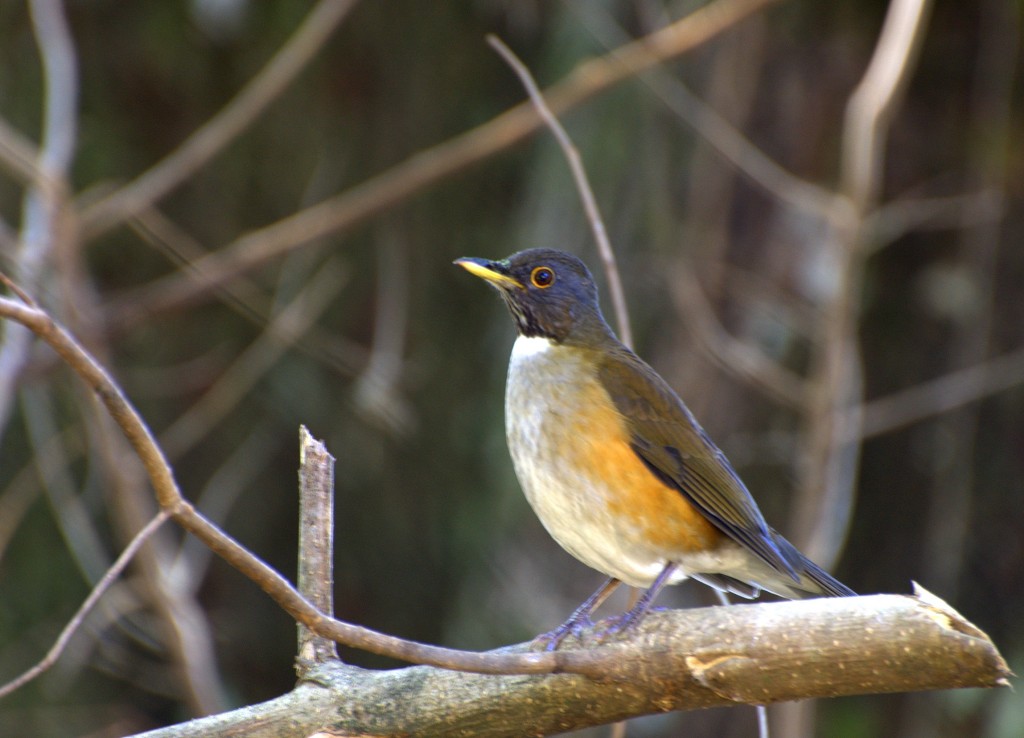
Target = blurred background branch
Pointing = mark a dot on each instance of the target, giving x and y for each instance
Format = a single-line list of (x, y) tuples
[(829, 467), (208, 140), (44, 215)]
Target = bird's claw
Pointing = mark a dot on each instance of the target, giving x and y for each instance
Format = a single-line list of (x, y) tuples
[(574, 626), (619, 625)]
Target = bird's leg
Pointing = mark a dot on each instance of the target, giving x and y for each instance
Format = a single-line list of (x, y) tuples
[(580, 617), (636, 613)]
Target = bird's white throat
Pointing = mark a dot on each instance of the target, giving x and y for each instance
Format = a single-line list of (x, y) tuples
[(528, 346)]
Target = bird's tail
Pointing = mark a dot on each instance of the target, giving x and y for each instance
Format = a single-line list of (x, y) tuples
[(814, 581), (803, 579)]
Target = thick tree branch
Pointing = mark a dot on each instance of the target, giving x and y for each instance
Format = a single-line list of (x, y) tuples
[(676, 660)]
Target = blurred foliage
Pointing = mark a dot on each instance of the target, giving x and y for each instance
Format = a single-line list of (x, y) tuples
[(434, 541)]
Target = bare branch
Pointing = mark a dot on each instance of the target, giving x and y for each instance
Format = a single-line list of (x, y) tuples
[(376, 390), (238, 473), (44, 212), (316, 546), (430, 166), (18, 154), (182, 627), (872, 104), (79, 617), (579, 174), (826, 493), (244, 296), (675, 660), (720, 133), (892, 220), (940, 395), (215, 134), (742, 359), (284, 594), (825, 496), (254, 362), (61, 72)]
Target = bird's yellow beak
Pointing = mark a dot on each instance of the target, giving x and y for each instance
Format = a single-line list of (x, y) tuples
[(483, 269)]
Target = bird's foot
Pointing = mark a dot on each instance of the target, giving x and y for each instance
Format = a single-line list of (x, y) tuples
[(627, 620), (579, 620), (607, 629), (621, 624), (574, 626)]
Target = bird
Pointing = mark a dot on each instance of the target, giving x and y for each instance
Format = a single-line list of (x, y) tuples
[(612, 461)]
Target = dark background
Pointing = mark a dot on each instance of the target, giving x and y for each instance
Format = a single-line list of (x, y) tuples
[(402, 371)]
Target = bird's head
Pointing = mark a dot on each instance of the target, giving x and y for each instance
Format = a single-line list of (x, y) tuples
[(549, 293)]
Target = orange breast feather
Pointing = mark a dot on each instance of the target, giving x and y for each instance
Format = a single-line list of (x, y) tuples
[(651, 513)]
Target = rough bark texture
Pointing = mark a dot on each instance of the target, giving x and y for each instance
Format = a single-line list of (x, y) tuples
[(316, 546), (676, 660)]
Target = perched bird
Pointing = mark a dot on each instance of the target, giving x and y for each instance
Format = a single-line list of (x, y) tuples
[(614, 464)]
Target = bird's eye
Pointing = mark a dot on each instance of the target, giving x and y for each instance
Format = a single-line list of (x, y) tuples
[(542, 277)]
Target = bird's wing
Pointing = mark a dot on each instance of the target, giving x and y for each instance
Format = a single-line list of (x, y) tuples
[(670, 442)]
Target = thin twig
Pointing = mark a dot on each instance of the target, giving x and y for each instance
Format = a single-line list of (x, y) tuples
[(772, 177), (940, 395), (270, 581), (182, 249), (376, 390), (18, 154), (721, 134), (743, 359), (79, 617), (16, 289), (892, 220), (257, 359), (182, 627), (54, 462), (579, 174), (248, 300), (224, 127), (237, 474)]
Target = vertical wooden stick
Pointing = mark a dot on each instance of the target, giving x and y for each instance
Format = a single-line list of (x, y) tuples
[(316, 546)]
